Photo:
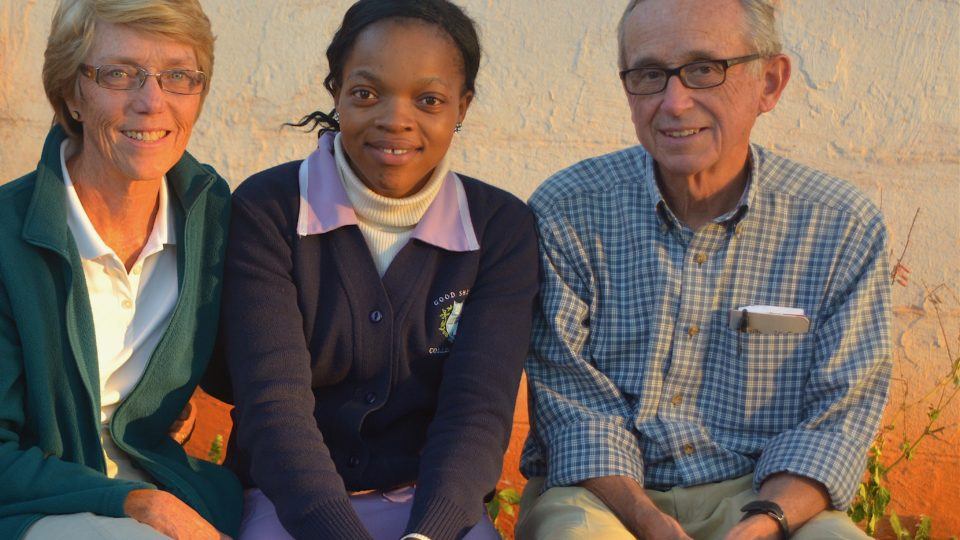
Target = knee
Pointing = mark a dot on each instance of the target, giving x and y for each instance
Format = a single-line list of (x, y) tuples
[(549, 518), (830, 525), (566, 513)]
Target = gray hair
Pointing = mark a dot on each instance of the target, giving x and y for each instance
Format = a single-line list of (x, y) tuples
[(761, 27)]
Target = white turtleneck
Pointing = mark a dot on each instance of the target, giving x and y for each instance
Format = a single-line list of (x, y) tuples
[(386, 223)]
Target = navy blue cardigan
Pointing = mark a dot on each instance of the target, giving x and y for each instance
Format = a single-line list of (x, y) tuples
[(346, 382)]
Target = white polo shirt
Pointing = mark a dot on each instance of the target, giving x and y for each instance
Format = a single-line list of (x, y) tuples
[(130, 311)]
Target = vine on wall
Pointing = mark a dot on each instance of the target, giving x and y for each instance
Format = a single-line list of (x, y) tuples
[(870, 506)]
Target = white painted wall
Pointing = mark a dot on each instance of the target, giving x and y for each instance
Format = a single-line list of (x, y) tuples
[(874, 99)]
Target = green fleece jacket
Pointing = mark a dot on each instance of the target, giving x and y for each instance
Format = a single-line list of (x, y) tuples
[(51, 460)]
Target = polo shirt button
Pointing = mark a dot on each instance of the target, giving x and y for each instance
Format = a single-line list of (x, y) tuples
[(370, 398), (688, 449), (126, 304), (353, 461), (376, 316)]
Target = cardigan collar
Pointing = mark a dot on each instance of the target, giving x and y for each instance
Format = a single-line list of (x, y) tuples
[(46, 224), (324, 205)]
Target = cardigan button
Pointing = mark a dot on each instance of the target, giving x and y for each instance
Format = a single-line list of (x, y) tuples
[(370, 398), (353, 461), (376, 316)]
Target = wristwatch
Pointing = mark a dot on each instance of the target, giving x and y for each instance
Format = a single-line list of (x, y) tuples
[(771, 509)]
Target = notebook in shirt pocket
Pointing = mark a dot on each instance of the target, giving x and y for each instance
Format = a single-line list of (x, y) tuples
[(770, 371)]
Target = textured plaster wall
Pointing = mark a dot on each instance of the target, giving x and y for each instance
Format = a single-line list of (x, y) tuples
[(873, 99)]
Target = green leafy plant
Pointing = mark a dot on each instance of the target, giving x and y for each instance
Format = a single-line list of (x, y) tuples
[(504, 502), (870, 505), (215, 454), (903, 533)]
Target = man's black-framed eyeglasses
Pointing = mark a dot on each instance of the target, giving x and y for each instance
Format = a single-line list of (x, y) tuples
[(124, 77), (644, 81)]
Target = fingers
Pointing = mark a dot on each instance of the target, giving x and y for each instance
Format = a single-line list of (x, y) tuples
[(181, 428), (185, 413), (169, 515), (178, 433)]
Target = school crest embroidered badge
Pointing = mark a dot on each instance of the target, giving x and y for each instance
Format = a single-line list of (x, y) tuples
[(450, 319)]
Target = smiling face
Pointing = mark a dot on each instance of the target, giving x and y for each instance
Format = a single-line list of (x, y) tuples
[(131, 135), (707, 131), (401, 98)]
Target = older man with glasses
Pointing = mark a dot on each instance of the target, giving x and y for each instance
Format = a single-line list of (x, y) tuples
[(711, 356)]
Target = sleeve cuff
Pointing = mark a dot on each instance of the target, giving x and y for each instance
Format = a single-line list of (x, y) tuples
[(438, 517), (833, 459), (114, 499), (333, 519), (592, 449)]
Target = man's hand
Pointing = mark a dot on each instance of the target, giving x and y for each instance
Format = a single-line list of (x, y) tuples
[(800, 498), (654, 524), (758, 527), (169, 516), (627, 500), (182, 427)]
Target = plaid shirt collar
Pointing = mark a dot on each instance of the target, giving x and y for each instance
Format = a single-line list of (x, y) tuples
[(730, 219)]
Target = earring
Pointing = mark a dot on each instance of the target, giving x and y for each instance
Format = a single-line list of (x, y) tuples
[(336, 116), (75, 115), (458, 128)]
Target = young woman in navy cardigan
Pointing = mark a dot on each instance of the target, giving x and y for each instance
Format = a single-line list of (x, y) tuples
[(377, 306)]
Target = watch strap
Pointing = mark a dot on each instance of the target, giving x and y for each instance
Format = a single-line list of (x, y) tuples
[(771, 509)]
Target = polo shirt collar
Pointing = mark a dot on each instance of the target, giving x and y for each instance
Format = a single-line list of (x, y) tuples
[(324, 205), (89, 243)]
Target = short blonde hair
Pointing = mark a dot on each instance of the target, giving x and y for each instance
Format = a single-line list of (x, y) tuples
[(74, 28), (761, 27)]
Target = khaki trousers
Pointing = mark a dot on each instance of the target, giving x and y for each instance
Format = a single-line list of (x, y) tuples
[(705, 512), (87, 526)]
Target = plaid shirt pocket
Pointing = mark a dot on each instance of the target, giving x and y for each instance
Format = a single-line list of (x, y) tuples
[(764, 370)]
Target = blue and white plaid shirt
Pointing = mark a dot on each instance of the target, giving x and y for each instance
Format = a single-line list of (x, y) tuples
[(634, 370)]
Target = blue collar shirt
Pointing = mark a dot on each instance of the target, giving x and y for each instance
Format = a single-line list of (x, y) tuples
[(634, 370)]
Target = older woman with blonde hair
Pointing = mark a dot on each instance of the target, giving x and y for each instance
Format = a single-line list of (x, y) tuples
[(110, 285)]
